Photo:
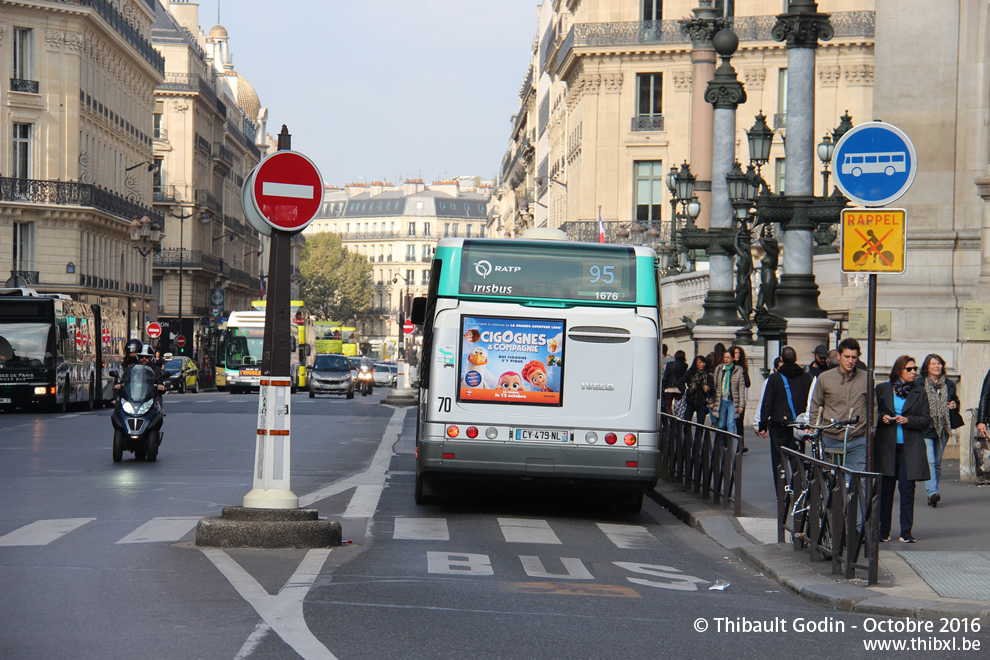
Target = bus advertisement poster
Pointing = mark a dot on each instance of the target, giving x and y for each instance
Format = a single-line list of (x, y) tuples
[(511, 360)]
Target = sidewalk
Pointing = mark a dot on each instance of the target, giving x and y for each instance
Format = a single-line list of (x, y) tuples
[(945, 574)]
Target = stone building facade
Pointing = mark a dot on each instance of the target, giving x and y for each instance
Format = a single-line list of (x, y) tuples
[(78, 94)]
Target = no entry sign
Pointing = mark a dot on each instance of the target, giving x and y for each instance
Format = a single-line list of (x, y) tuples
[(408, 327), (180, 341), (287, 190), (154, 330)]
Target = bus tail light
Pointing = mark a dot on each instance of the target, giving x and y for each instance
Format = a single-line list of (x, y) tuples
[(630, 439), (52, 389), (472, 431), (491, 433), (591, 437), (448, 457), (41, 390), (610, 438), (453, 431), (632, 463)]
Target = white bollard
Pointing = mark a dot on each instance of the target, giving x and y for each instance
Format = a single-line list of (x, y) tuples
[(401, 381), (271, 458)]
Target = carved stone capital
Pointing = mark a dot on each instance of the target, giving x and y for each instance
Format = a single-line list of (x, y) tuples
[(53, 39), (859, 75), (612, 82), (701, 30), (804, 27), (724, 89), (828, 75)]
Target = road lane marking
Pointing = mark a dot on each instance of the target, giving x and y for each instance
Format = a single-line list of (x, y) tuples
[(421, 529), (574, 567), (161, 529), (283, 611), (364, 501), (524, 530), (629, 537), (42, 532)]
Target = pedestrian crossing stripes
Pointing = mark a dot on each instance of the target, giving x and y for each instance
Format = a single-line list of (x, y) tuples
[(524, 530), (44, 532)]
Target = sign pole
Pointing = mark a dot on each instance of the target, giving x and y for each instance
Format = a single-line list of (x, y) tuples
[(871, 344), (272, 453)]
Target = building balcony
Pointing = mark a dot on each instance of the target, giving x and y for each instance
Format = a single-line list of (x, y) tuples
[(165, 195), (365, 235), (203, 145), (647, 123), (26, 86), (109, 12), (35, 191), (222, 154), (160, 134), (206, 199)]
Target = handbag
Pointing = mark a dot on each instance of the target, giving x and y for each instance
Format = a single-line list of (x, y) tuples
[(798, 433), (955, 418)]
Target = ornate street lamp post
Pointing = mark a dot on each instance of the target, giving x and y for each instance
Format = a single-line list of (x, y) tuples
[(204, 217), (144, 236)]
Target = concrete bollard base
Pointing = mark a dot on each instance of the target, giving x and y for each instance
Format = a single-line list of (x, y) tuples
[(401, 397), (244, 527)]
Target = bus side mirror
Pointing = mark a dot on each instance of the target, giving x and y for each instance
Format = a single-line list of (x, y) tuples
[(113, 373), (418, 316)]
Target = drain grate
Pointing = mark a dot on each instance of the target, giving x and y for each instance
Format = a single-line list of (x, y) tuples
[(953, 574)]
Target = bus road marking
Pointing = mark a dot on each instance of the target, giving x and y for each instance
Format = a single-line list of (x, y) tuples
[(568, 589), (421, 529), (524, 530), (629, 537), (42, 532)]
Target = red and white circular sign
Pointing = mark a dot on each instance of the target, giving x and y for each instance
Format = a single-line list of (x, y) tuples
[(180, 341), (408, 327), (79, 337), (106, 335), (154, 330), (287, 190)]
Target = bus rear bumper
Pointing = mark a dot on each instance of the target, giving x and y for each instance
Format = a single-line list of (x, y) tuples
[(631, 467)]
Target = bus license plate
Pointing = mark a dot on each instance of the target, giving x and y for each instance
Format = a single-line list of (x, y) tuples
[(251, 372), (545, 435), (6, 400)]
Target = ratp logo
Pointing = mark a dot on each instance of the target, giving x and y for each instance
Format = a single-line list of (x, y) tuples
[(483, 268)]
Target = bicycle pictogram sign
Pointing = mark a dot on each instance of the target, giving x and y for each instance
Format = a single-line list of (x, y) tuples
[(873, 240)]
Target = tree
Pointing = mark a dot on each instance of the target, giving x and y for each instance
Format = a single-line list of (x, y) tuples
[(336, 283)]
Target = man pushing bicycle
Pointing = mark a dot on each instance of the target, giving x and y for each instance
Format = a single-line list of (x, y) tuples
[(841, 393)]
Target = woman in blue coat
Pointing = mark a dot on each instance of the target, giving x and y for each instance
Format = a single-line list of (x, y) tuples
[(901, 457)]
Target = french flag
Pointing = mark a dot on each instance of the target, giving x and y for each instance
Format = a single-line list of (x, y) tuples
[(601, 228)]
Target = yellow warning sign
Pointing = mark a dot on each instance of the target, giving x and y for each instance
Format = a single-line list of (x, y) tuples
[(873, 240)]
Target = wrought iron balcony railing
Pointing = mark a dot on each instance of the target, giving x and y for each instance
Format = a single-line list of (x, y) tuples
[(206, 199), (35, 191), (117, 21), (647, 123), (28, 86), (28, 277), (160, 134), (220, 152), (165, 194)]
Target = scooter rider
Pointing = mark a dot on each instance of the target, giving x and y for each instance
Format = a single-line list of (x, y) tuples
[(133, 348), (145, 358)]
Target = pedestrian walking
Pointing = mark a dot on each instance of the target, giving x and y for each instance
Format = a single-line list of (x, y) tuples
[(903, 412), (672, 374), (784, 399), (730, 393), (819, 361), (941, 393), (739, 357), (763, 393), (840, 394), (698, 387)]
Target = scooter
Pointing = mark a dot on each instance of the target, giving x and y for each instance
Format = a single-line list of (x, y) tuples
[(137, 419), (366, 380)]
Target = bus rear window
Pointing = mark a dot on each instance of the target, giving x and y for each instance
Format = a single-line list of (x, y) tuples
[(511, 360), (551, 272)]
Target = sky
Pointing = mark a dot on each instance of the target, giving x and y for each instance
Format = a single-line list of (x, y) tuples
[(385, 89)]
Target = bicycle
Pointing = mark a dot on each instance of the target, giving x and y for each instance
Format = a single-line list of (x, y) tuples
[(814, 433)]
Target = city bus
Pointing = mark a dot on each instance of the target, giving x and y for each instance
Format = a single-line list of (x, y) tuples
[(241, 347), (55, 351), (328, 337), (540, 361), (349, 341)]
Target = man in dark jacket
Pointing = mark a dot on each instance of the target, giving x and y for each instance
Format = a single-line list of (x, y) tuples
[(819, 361), (781, 406)]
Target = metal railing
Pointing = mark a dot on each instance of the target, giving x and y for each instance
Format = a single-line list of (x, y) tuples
[(647, 123), (705, 460), (37, 191), (28, 86), (162, 194), (220, 152), (117, 21), (29, 277), (206, 199), (840, 522)]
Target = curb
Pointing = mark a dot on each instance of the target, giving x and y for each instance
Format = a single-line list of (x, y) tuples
[(792, 570)]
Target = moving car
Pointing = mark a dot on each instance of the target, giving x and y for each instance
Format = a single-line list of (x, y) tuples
[(330, 374), (181, 374), (385, 374)]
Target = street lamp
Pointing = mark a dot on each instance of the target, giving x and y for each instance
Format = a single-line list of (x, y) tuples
[(144, 236), (204, 217)]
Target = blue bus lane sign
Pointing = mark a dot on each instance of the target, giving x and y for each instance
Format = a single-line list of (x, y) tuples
[(874, 163)]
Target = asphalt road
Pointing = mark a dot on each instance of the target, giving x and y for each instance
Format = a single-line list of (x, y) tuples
[(97, 559)]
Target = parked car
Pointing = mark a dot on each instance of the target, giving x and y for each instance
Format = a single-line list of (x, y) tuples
[(330, 374), (385, 374), (182, 374)]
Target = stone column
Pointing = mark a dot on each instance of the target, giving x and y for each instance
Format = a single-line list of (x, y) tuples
[(802, 26), (725, 93), (701, 29)]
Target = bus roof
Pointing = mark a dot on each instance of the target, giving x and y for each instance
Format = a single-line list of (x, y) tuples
[(524, 270), (246, 319)]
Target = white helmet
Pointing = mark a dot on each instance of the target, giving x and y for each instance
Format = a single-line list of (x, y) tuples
[(146, 350)]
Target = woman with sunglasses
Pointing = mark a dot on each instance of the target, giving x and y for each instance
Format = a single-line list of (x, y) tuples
[(903, 414)]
